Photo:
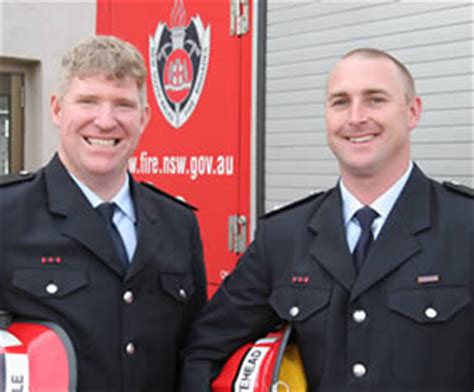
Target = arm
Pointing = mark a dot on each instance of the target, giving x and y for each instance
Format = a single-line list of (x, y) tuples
[(238, 313)]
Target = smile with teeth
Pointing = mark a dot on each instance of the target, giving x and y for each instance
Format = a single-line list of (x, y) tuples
[(361, 139), (102, 142)]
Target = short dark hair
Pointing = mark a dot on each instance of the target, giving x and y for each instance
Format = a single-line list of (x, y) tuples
[(377, 53)]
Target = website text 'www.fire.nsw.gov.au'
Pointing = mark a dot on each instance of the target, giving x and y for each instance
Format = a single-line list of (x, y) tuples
[(193, 166)]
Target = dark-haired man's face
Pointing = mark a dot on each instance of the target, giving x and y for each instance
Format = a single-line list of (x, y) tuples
[(368, 118)]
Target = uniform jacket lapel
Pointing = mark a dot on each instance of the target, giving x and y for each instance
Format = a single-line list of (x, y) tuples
[(329, 246), (149, 230), (398, 241), (78, 219)]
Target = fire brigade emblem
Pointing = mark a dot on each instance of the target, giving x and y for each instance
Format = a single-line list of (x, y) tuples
[(179, 58)]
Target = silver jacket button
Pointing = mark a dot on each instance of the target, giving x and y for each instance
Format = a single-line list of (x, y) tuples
[(182, 293), (52, 288), (359, 316), (359, 370), (431, 313), (294, 311), (128, 297), (130, 348)]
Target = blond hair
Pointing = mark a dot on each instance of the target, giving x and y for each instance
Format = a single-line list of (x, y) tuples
[(107, 55)]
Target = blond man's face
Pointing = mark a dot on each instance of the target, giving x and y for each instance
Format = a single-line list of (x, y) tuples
[(100, 121)]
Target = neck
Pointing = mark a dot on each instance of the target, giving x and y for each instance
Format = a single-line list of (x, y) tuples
[(105, 188), (369, 188)]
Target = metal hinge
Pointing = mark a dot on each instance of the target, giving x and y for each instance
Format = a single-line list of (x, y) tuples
[(237, 239), (239, 17)]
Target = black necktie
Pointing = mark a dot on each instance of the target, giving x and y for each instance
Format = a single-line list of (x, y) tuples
[(365, 216), (107, 210)]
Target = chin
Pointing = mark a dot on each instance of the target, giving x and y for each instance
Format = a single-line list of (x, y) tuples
[(360, 170), (105, 169)]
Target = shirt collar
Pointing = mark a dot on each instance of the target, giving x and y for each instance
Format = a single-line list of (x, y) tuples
[(382, 205), (122, 198)]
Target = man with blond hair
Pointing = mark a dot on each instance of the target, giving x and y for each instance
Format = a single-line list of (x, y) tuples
[(375, 276), (115, 263)]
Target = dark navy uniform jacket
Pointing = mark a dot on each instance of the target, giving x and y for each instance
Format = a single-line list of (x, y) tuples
[(404, 323), (126, 330)]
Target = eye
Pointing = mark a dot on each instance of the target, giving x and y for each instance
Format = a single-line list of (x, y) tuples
[(87, 101), (377, 99), (338, 102), (126, 105)]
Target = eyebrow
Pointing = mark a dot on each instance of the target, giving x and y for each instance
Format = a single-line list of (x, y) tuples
[(375, 91), (85, 95), (337, 95), (372, 91), (97, 97)]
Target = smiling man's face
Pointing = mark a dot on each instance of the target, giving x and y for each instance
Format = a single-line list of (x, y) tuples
[(369, 116), (100, 121)]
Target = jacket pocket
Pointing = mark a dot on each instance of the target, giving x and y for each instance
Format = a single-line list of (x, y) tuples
[(179, 286), (430, 331), (298, 303), (49, 283), (432, 305)]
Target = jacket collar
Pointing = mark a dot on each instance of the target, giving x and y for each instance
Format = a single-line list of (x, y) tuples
[(150, 230), (396, 243), (79, 221)]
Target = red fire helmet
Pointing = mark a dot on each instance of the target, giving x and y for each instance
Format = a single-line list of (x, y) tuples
[(270, 364), (36, 356)]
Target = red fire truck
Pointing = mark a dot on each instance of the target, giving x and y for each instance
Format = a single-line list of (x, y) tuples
[(197, 145)]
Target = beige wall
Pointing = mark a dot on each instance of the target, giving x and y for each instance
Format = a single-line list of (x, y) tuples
[(433, 38), (33, 37)]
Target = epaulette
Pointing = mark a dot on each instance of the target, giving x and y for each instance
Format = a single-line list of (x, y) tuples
[(293, 204), (14, 178), (168, 196), (459, 188)]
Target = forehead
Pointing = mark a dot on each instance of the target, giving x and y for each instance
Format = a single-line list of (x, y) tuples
[(99, 81), (357, 74)]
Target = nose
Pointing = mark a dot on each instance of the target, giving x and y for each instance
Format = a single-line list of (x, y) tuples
[(105, 117), (357, 113)]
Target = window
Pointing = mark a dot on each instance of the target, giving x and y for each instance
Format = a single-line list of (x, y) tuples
[(11, 123)]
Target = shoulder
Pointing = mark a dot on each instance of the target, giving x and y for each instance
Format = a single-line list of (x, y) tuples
[(20, 195), (166, 196), (295, 206), (454, 203), (459, 189), (16, 178)]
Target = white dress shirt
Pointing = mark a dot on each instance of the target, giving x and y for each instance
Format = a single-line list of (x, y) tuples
[(124, 217), (382, 205)]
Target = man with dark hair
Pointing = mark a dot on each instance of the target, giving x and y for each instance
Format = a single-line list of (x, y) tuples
[(115, 263), (376, 276)]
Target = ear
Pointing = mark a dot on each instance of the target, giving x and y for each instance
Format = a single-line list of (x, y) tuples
[(414, 112), (145, 118), (55, 109)]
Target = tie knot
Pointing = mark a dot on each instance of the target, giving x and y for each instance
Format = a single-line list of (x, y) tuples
[(107, 211), (365, 216)]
